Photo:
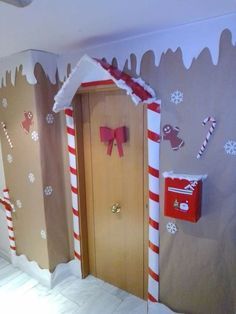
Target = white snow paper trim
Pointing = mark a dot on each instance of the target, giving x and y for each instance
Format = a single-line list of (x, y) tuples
[(28, 59), (191, 39), (190, 177)]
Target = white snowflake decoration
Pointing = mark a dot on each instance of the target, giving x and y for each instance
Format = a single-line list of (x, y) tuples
[(31, 177), (48, 190), (177, 97), (50, 118), (34, 136), (230, 147), (9, 158), (4, 103), (43, 234), (171, 227), (18, 204)]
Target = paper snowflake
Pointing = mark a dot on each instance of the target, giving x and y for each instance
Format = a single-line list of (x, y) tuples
[(230, 148), (177, 97), (4, 103), (48, 190), (31, 177), (50, 118), (43, 234), (34, 136), (9, 158), (171, 227), (18, 204)]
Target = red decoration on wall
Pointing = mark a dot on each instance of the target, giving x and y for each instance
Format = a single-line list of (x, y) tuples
[(183, 199), (109, 135), (170, 134), (27, 122)]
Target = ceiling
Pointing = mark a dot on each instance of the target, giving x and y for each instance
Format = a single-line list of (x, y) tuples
[(61, 26)]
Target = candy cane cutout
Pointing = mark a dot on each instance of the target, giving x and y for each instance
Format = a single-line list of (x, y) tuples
[(8, 208), (6, 134), (70, 127), (153, 121), (212, 128)]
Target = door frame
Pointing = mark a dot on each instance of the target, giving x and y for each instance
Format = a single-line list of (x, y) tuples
[(140, 92)]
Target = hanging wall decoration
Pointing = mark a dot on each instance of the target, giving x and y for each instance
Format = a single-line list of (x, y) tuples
[(31, 177), (6, 134), (27, 122), (170, 134), (50, 118), (9, 158), (209, 134), (4, 103), (177, 97), (171, 227), (109, 135), (230, 147), (183, 196), (34, 136)]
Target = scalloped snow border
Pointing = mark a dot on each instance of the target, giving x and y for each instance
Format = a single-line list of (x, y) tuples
[(44, 276), (191, 38)]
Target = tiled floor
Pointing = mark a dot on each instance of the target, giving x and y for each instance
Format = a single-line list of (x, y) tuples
[(21, 294)]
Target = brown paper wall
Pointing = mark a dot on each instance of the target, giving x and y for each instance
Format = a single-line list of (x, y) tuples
[(28, 220), (198, 263)]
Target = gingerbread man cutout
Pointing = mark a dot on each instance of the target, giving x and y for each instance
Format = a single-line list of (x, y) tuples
[(27, 122), (170, 134)]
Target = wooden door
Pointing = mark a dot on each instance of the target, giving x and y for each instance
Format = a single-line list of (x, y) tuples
[(115, 240)]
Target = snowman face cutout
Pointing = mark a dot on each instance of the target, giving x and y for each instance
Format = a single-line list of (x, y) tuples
[(167, 129)]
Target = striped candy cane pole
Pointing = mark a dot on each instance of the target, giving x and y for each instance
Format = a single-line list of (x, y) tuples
[(212, 128), (153, 122), (6, 134), (70, 126), (8, 209)]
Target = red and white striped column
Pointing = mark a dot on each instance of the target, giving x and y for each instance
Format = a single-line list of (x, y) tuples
[(70, 127), (153, 123), (8, 209)]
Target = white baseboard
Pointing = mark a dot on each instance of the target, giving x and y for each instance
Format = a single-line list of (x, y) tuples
[(5, 255), (44, 276), (154, 308)]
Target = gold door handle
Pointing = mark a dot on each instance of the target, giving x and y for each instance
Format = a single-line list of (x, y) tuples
[(115, 208)]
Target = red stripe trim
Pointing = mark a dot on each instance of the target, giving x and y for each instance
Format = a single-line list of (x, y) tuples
[(69, 112), (153, 247), (153, 223), (73, 171), (154, 172), (9, 218), (77, 236), (153, 274), (151, 298), (12, 238), (6, 190), (71, 150), (10, 228), (153, 196), (77, 255), (154, 107), (97, 83), (13, 248), (154, 136), (74, 190), (75, 212), (70, 131)]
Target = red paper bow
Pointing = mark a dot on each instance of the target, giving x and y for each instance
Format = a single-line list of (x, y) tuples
[(109, 135)]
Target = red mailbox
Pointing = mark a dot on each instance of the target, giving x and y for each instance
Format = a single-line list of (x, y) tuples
[(183, 196)]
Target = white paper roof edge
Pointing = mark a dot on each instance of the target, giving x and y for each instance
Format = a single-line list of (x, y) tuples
[(190, 177), (83, 72)]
